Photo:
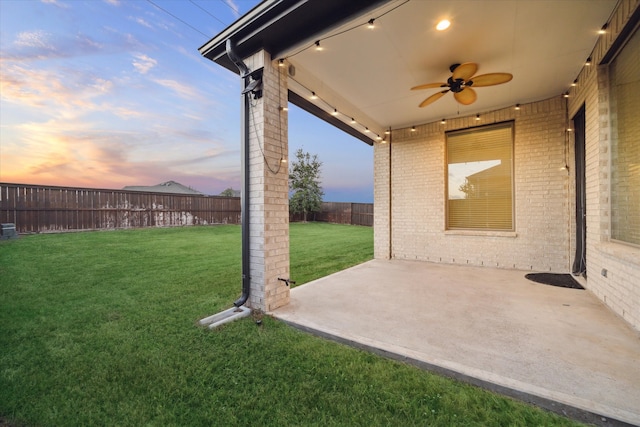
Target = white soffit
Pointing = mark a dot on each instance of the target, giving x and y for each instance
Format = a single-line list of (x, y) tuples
[(544, 44)]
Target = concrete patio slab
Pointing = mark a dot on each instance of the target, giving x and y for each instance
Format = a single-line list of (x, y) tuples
[(556, 347)]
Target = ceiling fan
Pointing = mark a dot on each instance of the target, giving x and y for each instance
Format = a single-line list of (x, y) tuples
[(460, 82)]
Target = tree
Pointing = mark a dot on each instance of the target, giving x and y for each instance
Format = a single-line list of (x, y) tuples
[(304, 184), (468, 189), (229, 192)]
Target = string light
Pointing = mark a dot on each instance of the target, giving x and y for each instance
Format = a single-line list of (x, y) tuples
[(284, 109), (443, 122), (370, 24), (588, 61), (443, 25), (477, 117), (517, 107), (413, 128), (331, 109), (603, 30), (575, 83), (566, 94)]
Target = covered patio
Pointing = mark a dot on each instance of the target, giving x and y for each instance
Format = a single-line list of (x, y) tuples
[(558, 348), (565, 98)]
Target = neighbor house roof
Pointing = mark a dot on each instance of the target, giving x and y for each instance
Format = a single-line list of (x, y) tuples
[(165, 187)]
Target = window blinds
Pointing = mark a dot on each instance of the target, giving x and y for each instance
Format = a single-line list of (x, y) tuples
[(480, 178)]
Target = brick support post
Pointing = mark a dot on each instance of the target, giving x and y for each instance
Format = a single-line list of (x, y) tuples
[(269, 189)]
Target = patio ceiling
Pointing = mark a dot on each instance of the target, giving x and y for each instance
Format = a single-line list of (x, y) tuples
[(367, 74)]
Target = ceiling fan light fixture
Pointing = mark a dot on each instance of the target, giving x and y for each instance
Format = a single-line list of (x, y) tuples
[(460, 84), (443, 25)]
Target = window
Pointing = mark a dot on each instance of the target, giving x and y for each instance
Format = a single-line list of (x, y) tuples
[(480, 178), (624, 75)]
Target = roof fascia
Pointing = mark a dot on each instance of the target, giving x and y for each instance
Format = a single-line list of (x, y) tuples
[(279, 25), (245, 27)]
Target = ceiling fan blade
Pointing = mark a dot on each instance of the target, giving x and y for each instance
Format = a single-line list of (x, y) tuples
[(466, 96), (465, 71), (429, 86), (491, 79), (433, 98)]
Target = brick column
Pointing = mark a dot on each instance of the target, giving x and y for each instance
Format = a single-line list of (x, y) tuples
[(269, 188), (382, 201)]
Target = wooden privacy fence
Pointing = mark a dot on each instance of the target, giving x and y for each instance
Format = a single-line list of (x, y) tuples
[(45, 209), (341, 213), (42, 209)]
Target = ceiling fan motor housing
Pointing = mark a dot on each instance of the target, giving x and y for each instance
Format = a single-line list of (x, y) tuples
[(457, 85)]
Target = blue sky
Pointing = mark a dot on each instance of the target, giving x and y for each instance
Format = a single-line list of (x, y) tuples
[(109, 93)]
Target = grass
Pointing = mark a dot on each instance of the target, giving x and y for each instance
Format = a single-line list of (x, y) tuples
[(98, 328)]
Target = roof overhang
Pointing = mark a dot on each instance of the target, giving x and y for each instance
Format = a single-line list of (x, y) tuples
[(367, 74), (278, 26)]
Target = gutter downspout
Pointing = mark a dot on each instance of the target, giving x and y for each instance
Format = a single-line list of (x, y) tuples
[(390, 195), (244, 195)]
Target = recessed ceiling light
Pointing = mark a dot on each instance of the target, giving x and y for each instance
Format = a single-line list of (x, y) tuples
[(443, 25)]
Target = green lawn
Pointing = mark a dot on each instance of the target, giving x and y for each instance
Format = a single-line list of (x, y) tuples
[(99, 329)]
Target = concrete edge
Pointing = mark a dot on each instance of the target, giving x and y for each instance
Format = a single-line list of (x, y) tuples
[(561, 408)]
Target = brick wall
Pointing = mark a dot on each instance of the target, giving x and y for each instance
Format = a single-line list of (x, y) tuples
[(613, 268), (418, 195)]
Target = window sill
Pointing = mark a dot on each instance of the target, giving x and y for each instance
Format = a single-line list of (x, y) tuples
[(480, 233), (621, 251)]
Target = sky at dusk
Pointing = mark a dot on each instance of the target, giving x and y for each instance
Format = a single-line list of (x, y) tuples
[(110, 93)]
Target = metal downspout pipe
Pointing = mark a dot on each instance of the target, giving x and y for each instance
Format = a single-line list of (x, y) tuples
[(244, 195)]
